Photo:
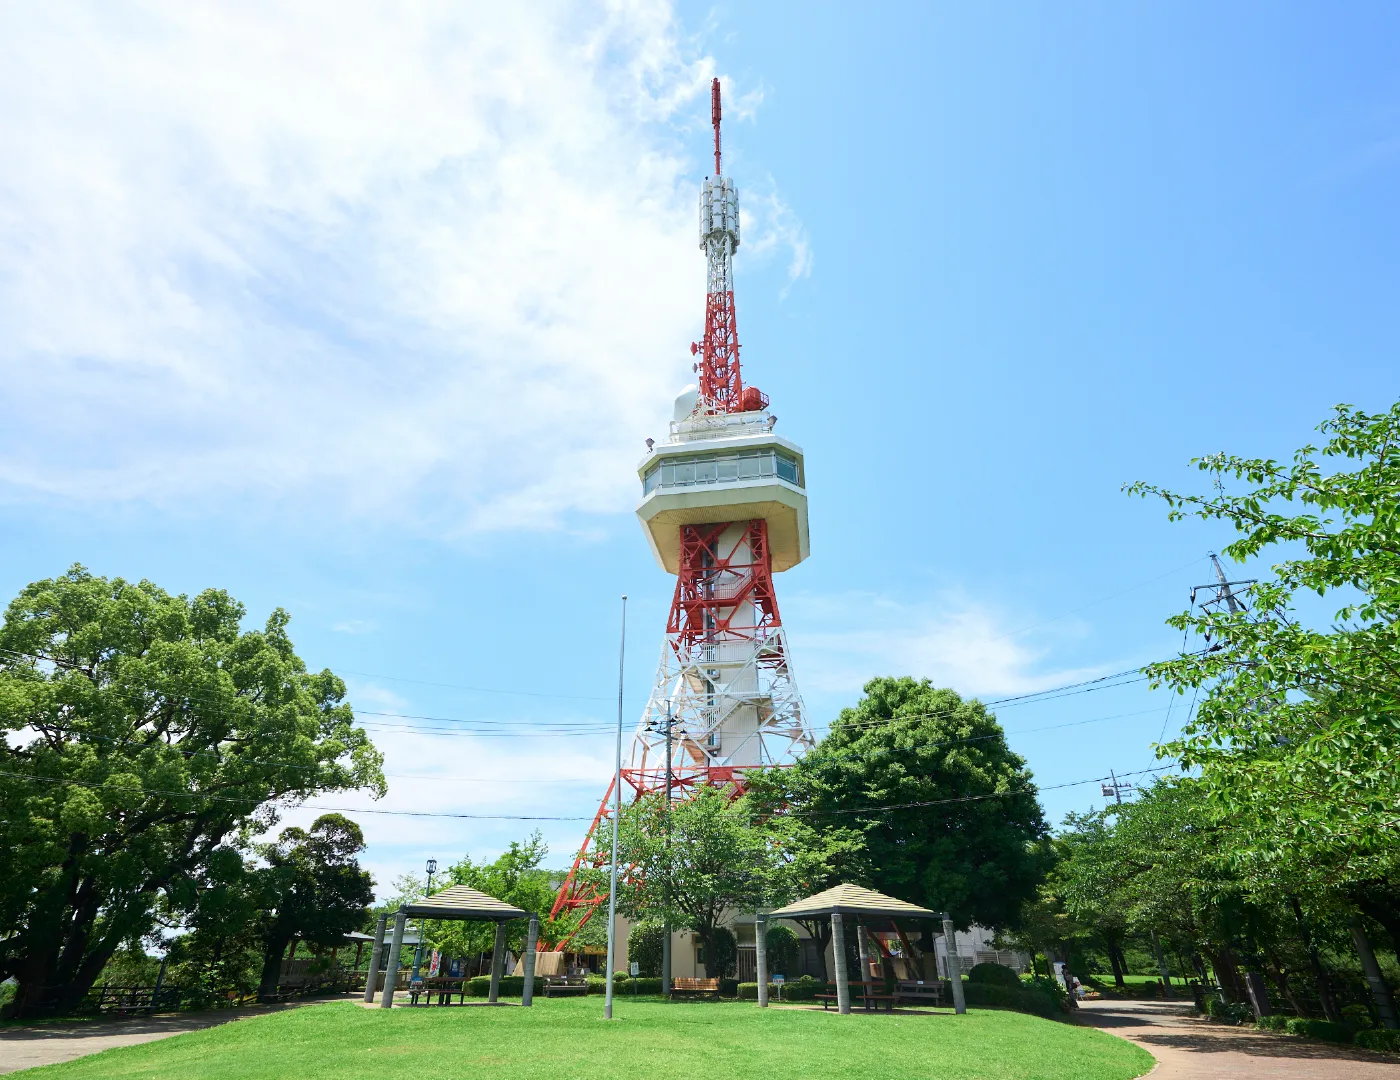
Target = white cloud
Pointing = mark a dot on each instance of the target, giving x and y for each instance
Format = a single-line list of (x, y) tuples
[(354, 626), (434, 261), (953, 641)]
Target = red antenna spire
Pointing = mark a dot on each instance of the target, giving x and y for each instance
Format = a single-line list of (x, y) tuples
[(714, 118)]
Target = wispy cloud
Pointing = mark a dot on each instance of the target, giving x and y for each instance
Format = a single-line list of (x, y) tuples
[(952, 640), (430, 264), (355, 626)]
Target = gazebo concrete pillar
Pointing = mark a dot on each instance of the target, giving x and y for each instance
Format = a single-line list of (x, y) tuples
[(760, 948), (372, 976), (863, 951), (838, 949), (954, 975), (391, 973), (527, 995), (498, 955)]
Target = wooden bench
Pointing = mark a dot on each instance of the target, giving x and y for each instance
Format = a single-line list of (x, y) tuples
[(920, 992), (565, 989), (870, 1001), (695, 988)]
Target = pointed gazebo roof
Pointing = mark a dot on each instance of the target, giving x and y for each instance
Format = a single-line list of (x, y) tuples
[(853, 900), (462, 902)]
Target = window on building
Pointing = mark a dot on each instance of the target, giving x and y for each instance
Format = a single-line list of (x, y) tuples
[(718, 468)]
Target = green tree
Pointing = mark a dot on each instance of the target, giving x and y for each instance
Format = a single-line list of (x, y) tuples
[(1297, 734), (142, 731), (948, 814), (514, 876), (719, 860), (311, 889), (645, 944)]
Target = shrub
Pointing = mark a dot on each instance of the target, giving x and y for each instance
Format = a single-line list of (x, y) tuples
[(1325, 1030), (994, 975), (728, 987), (1379, 1039), (1227, 1012), (597, 984), (1277, 1022), (805, 989), (645, 943), (511, 986), (783, 949), (1021, 999), (723, 956)]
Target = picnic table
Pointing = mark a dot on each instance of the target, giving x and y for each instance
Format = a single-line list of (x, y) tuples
[(442, 985), (916, 990), (866, 993)]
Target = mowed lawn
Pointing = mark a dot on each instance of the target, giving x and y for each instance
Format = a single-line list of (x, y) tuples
[(568, 1037)]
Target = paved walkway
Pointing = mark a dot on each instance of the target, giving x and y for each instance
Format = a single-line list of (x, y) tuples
[(48, 1044), (1188, 1048)]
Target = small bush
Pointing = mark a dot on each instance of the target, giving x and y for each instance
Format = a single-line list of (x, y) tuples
[(597, 984), (728, 987), (1319, 1029), (645, 944), (805, 989), (1379, 1039), (1228, 1012), (1277, 1022), (994, 975)]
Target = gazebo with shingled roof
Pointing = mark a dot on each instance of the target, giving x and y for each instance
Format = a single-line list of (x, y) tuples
[(464, 904), (839, 902)]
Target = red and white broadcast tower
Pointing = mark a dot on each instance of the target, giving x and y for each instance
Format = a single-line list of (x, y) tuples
[(724, 505)]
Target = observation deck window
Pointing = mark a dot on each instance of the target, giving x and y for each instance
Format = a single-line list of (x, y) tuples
[(719, 468)]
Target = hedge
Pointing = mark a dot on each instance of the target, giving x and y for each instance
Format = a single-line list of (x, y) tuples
[(994, 975), (511, 986), (1325, 1030), (1026, 999), (803, 989), (1379, 1039), (1276, 1022)]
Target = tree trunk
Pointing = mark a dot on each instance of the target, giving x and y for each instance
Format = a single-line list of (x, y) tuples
[(1324, 989), (272, 968), (1116, 962)]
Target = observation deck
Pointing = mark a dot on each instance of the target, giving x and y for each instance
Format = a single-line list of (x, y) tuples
[(726, 467)]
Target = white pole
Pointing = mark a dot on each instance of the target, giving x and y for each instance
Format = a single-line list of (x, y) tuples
[(617, 813)]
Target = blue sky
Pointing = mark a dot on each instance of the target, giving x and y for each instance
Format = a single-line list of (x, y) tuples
[(368, 318)]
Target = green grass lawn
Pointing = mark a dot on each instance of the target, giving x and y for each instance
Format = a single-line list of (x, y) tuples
[(649, 1038)]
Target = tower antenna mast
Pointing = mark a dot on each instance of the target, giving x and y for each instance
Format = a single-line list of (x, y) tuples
[(714, 119)]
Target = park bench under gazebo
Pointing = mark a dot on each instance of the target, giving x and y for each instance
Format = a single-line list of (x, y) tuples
[(850, 901), (463, 904)]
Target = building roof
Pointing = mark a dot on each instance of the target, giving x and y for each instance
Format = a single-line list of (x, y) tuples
[(852, 900), (461, 902)]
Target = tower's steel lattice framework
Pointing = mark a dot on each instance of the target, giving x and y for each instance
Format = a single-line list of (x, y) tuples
[(724, 506)]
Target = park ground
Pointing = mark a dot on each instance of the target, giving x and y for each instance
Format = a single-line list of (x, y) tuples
[(648, 1038)]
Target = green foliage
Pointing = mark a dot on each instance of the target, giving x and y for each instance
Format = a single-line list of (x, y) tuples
[(1324, 1030), (1274, 1022), (1021, 998), (994, 975), (965, 822), (1382, 1039), (311, 889), (719, 859), (783, 949), (1298, 730), (515, 877), (165, 733), (645, 943), (512, 986), (1228, 1012)]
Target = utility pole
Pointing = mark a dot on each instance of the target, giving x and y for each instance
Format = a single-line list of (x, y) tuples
[(1116, 788), (666, 883), (617, 813)]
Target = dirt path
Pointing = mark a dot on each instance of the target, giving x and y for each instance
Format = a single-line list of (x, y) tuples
[(48, 1044), (1191, 1049)]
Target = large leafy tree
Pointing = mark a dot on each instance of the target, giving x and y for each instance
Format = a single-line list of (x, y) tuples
[(311, 889), (1298, 730), (948, 814), (718, 859), (141, 733)]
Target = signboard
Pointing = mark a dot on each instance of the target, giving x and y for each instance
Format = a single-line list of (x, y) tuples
[(435, 964), (634, 969), (779, 979)]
